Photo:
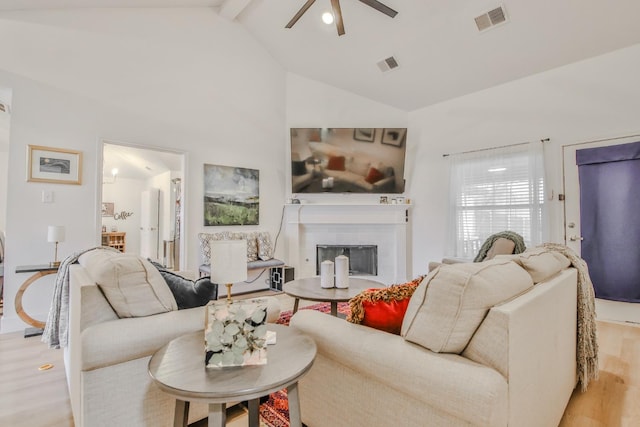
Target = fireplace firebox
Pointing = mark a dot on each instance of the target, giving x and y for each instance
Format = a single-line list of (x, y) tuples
[(363, 259)]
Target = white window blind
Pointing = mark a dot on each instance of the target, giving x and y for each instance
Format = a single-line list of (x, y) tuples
[(496, 190)]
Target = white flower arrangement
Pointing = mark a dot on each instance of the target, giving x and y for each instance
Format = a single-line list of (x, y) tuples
[(235, 333)]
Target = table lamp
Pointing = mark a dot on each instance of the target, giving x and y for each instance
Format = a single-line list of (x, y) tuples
[(228, 263), (55, 233)]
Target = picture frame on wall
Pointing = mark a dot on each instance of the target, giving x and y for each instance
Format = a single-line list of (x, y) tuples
[(108, 209), (54, 165), (231, 196), (364, 134), (394, 136)]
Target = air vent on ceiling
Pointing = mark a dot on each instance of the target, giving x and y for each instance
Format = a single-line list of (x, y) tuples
[(388, 64), (491, 19)]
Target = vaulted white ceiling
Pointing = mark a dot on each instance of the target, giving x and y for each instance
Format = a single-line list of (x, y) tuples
[(440, 51)]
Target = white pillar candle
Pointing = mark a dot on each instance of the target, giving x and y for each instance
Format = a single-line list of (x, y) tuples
[(326, 274), (342, 271)]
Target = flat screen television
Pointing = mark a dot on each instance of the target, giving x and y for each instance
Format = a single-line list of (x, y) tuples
[(348, 160)]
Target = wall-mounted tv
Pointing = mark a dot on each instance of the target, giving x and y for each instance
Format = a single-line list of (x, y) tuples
[(348, 160)]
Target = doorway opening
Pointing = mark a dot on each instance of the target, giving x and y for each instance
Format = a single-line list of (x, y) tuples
[(142, 207)]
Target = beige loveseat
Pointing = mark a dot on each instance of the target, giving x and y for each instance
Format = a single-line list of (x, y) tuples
[(107, 356), (516, 368)]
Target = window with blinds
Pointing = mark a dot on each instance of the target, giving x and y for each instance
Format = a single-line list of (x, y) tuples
[(496, 190)]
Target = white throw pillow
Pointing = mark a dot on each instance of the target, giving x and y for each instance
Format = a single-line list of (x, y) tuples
[(133, 286), (540, 263), (449, 305)]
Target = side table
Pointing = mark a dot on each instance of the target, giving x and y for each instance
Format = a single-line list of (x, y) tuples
[(39, 271), (179, 370)]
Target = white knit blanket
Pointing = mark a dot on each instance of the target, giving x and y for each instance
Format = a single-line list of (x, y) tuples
[(587, 342), (56, 330)]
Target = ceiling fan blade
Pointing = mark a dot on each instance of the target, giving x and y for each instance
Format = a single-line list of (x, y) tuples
[(337, 15), (301, 12), (380, 7)]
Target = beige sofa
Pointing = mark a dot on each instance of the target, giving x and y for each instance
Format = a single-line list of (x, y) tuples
[(518, 368), (107, 357)]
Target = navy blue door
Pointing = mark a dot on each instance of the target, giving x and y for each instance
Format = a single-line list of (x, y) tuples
[(610, 219)]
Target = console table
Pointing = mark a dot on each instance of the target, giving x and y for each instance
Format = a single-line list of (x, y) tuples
[(39, 271)]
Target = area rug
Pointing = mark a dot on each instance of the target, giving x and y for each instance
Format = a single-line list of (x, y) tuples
[(275, 411)]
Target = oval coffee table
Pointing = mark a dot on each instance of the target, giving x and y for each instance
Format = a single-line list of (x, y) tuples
[(309, 289), (179, 370)]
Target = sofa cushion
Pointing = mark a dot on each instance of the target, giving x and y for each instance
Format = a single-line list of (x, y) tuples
[(133, 286), (450, 304), (336, 163), (540, 263), (359, 166), (382, 309)]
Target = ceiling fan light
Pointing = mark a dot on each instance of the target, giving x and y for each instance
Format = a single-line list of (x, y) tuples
[(327, 18)]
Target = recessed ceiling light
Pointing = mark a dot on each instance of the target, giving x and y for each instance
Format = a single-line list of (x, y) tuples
[(497, 170), (327, 18)]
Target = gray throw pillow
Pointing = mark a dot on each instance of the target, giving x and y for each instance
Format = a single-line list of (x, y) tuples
[(189, 293)]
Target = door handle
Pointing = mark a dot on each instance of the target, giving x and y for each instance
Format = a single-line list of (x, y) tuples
[(574, 238)]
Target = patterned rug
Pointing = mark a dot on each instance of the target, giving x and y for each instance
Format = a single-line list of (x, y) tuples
[(275, 411)]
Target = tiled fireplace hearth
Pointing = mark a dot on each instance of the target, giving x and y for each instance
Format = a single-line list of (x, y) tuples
[(386, 227)]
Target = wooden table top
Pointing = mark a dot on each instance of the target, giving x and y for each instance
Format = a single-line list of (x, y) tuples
[(178, 368), (309, 289)]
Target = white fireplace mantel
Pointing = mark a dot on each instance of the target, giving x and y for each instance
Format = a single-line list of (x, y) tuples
[(387, 226)]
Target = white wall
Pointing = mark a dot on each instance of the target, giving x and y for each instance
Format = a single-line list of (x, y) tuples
[(168, 78), (593, 99)]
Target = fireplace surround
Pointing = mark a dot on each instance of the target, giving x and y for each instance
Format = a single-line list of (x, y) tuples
[(309, 225)]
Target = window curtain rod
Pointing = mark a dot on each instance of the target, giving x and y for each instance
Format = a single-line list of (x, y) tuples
[(494, 148)]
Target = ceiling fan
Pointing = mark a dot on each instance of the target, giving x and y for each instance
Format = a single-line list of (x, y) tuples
[(337, 12)]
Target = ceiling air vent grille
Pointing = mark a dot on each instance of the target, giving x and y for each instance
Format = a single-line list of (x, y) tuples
[(491, 19), (388, 64)]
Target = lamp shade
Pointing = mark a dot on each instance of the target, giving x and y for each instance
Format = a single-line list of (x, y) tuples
[(228, 261), (55, 233)]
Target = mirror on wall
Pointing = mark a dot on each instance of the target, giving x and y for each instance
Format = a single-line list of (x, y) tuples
[(141, 207)]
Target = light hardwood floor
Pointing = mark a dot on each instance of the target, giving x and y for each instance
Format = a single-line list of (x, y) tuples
[(34, 398)]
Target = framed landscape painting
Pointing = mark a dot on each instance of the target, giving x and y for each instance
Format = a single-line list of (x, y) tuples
[(231, 195), (54, 165)]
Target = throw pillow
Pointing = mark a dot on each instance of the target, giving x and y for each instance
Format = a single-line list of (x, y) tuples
[(265, 248), (189, 293), (252, 244), (336, 163), (132, 286), (382, 309), (449, 305), (374, 176)]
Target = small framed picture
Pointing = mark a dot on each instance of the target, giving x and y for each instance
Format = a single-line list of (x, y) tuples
[(384, 200), (108, 209), (364, 134), (54, 165), (394, 136)]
